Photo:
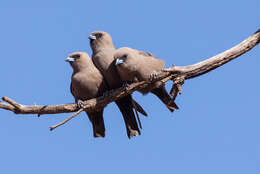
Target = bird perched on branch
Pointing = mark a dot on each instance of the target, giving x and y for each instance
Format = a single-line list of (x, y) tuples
[(87, 83), (103, 57), (135, 66)]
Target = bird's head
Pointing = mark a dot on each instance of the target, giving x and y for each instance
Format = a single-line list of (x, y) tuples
[(123, 56), (78, 60), (100, 39)]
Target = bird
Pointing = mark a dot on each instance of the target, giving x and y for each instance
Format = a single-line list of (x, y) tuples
[(86, 83), (103, 50), (135, 66)]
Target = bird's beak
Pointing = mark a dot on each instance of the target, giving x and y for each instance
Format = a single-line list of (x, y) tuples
[(69, 59), (119, 61), (92, 37)]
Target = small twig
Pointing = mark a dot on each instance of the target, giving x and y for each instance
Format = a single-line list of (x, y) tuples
[(7, 106), (179, 81), (176, 87), (17, 106), (67, 119)]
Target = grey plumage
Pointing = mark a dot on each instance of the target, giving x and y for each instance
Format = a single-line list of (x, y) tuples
[(134, 65), (87, 83), (103, 57)]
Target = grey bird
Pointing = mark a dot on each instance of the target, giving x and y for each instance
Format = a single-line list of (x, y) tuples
[(135, 66), (103, 57), (87, 83)]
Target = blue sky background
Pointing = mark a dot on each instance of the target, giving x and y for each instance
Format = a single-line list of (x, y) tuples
[(215, 131)]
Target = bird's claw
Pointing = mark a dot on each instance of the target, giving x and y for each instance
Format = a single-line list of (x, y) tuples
[(80, 104), (126, 85), (153, 75)]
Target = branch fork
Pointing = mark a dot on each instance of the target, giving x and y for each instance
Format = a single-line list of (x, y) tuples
[(16, 107)]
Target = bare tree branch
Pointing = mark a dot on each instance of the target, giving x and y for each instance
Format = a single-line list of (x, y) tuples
[(177, 73), (35, 109)]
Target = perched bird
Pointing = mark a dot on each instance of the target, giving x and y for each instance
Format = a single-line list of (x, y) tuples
[(135, 66), (87, 83), (103, 57)]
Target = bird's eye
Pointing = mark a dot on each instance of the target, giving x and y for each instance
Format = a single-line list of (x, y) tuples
[(99, 35), (77, 56)]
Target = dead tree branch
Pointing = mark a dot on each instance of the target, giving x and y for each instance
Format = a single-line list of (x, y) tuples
[(177, 73)]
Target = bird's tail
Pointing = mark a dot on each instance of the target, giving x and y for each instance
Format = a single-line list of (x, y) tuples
[(97, 121), (162, 94), (138, 107), (126, 107)]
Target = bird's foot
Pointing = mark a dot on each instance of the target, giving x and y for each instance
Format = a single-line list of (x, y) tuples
[(126, 86), (153, 75), (80, 104)]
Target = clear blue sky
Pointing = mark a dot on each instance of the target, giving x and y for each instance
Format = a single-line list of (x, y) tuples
[(215, 131)]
